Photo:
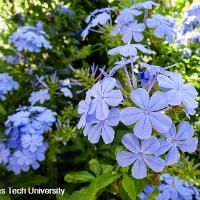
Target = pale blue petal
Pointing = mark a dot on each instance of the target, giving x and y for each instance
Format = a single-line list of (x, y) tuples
[(143, 128), (165, 82), (130, 141), (171, 133), (157, 101), (102, 110), (189, 145), (165, 145), (107, 134), (113, 117), (174, 97), (131, 115), (139, 169), (150, 146), (125, 158), (94, 134), (185, 131), (140, 97), (160, 121), (138, 36), (113, 98), (108, 85), (173, 156), (156, 163)]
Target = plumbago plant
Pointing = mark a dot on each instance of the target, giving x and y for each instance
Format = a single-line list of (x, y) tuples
[(143, 99)]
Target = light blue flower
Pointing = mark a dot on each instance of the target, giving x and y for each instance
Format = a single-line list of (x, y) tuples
[(7, 84), (179, 93), (148, 115), (4, 154), (39, 97), (182, 140), (141, 153), (129, 50), (133, 30), (31, 142), (103, 95), (30, 38), (104, 128), (12, 59), (146, 5), (162, 26)]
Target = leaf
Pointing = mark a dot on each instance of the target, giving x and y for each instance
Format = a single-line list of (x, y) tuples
[(180, 4), (95, 167), (106, 168), (139, 185), (5, 197), (79, 177), (62, 197), (153, 194), (99, 184), (82, 194), (128, 185), (2, 110)]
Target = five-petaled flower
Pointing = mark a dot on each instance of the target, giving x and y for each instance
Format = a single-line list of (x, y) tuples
[(141, 153)]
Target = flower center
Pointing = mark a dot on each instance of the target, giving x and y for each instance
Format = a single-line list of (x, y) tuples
[(140, 154)]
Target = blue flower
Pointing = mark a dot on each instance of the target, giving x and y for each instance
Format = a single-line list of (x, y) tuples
[(30, 38), (179, 93), (4, 154), (31, 142), (162, 27), (129, 50), (12, 59), (148, 115), (187, 52), (7, 84), (40, 96), (65, 88), (145, 5), (24, 138), (104, 127), (133, 30), (65, 10), (182, 139), (104, 95), (141, 153)]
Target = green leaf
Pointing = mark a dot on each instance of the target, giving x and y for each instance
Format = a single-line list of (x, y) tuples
[(2, 110), (82, 194), (128, 185), (95, 167), (5, 197), (139, 185), (79, 177), (62, 197), (106, 168), (153, 194), (99, 184), (180, 4)]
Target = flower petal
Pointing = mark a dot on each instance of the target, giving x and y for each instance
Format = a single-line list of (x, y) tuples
[(157, 101), (156, 163), (160, 121), (139, 169), (107, 134), (113, 117), (94, 134), (189, 145), (150, 145), (143, 128), (125, 158), (173, 156), (185, 131), (165, 145), (140, 97), (108, 85), (102, 110), (113, 98), (131, 115), (174, 97), (165, 82), (130, 141)]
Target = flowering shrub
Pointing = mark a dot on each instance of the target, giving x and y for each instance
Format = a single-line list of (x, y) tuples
[(100, 98)]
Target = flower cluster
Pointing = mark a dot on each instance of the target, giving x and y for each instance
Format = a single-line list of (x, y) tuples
[(40, 96), (154, 141), (186, 32), (129, 27), (6, 85), (172, 188), (98, 17), (12, 59), (30, 38), (24, 144)]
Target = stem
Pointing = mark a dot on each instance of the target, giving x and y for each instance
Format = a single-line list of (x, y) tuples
[(134, 81), (128, 78), (152, 83), (96, 31)]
